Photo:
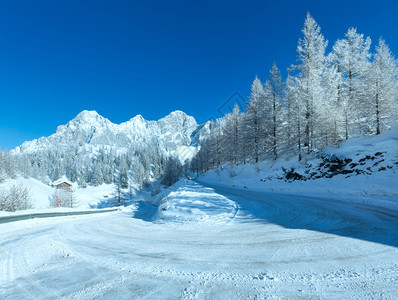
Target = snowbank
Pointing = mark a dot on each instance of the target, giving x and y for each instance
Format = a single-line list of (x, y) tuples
[(369, 174)]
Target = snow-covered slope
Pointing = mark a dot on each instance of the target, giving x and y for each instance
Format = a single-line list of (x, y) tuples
[(41, 196), (89, 128), (359, 166), (39, 193)]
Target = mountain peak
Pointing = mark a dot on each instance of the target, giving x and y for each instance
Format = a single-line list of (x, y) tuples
[(176, 113), (89, 118), (178, 116), (88, 115), (138, 117)]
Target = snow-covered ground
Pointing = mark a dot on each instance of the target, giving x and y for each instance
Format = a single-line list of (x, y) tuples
[(211, 242), (371, 173), (42, 195)]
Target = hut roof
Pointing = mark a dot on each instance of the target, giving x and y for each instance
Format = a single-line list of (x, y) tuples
[(58, 182)]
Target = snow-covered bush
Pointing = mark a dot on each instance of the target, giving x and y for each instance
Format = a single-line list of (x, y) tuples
[(16, 198)]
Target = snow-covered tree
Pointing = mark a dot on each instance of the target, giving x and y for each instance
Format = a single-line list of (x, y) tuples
[(352, 59), (231, 136), (272, 115), (172, 171), (383, 88), (295, 115), (252, 133), (123, 178), (311, 57), (15, 198), (97, 177)]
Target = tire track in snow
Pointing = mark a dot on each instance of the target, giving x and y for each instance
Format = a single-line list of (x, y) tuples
[(119, 257), (18, 273), (7, 269)]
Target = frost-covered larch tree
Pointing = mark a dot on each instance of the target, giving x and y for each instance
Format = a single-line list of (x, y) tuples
[(383, 88), (231, 136), (253, 119), (311, 62), (273, 90), (295, 114), (352, 59), (331, 112)]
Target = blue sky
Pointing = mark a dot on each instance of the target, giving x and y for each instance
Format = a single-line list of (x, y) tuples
[(123, 58)]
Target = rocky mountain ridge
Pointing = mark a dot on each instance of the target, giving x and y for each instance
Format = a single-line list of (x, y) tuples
[(171, 134)]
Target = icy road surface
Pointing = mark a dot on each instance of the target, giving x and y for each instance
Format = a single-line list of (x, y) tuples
[(211, 243)]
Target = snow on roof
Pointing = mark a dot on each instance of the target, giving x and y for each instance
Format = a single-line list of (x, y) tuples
[(58, 182)]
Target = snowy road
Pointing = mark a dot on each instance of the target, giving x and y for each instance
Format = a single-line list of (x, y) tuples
[(211, 243)]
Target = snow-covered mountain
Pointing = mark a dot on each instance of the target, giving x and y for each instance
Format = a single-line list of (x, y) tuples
[(170, 134)]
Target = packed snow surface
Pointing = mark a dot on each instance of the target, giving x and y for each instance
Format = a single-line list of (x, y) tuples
[(210, 242)]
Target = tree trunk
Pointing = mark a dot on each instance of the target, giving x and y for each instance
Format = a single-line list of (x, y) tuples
[(299, 137), (274, 132), (377, 110)]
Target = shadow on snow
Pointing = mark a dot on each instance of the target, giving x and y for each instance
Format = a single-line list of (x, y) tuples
[(343, 218)]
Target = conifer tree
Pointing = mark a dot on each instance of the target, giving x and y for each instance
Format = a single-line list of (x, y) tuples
[(352, 59), (311, 56), (253, 119), (383, 88)]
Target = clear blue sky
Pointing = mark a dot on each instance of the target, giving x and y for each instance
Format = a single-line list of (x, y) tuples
[(123, 58)]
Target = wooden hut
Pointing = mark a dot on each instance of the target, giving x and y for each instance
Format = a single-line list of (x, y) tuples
[(64, 185)]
